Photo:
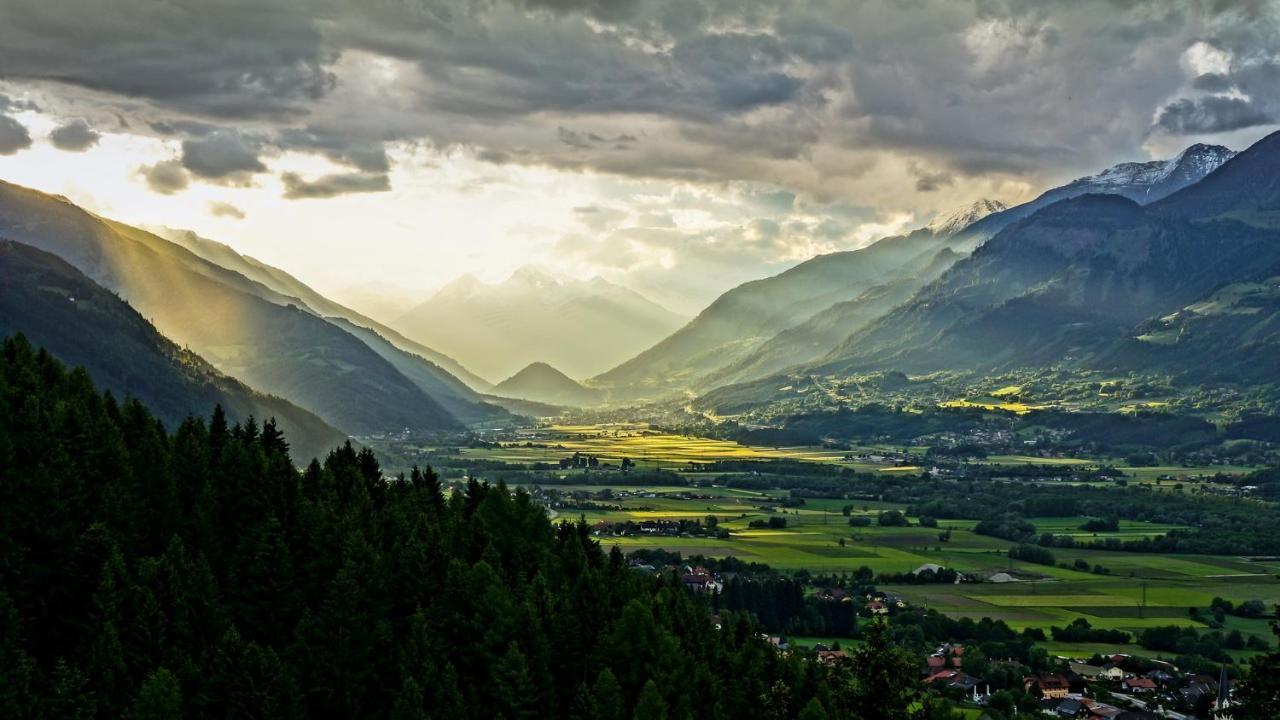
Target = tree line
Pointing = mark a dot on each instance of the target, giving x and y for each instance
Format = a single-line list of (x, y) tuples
[(148, 573)]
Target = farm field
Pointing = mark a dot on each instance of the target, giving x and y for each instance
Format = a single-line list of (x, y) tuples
[(1043, 597), (650, 449), (647, 448)]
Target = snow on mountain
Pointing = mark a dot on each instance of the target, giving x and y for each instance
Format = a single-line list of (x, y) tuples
[(1156, 178), (948, 225)]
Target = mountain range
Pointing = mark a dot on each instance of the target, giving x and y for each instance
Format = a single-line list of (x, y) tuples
[(579, 326), (1167, 264), (255, 323), (804, 314), (722, 341), (1185, 284)]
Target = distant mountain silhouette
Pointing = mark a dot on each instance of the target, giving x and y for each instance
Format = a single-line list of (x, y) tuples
[(582, 326), (543, 383)]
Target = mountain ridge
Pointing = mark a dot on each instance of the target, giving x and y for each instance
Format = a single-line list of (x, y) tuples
[(83, 324)]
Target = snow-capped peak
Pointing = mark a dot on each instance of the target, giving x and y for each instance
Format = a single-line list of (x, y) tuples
[(947, 225), (1193, 163)]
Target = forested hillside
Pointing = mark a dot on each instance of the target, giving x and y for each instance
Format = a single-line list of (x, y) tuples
[(199, 574)]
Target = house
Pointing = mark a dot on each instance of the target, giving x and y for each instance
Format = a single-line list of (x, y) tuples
[(1050, 687), (832, 657), (1069, 708), (832, 595), (942, 677), (779, 643), (1112, 673), (700, 580), (965, 683), (1139, 684), (878, 608)]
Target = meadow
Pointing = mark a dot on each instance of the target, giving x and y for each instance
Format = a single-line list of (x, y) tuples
[(1141, 590)]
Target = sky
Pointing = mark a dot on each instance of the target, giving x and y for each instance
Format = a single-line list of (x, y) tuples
[(378, 149)]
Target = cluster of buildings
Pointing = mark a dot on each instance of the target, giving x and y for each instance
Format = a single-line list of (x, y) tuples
[(1099, 690), (1164, 692)]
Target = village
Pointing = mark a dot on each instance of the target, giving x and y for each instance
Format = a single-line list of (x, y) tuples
[(1113, 686)]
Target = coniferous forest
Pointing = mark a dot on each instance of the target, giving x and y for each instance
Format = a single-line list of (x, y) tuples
[(198, 573)]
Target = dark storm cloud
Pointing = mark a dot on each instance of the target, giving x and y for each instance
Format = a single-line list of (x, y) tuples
[(223, 155), (230, 59), (327, 186), (165, 177), (809, 95), (75, 136), (1212, 114), (13, 136)]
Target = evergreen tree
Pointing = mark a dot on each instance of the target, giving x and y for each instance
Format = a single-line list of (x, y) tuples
[(159, 699), (650, 705), (607, 696), (883, 686)]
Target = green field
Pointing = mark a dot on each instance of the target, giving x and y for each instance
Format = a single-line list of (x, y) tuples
[(1047, 596)]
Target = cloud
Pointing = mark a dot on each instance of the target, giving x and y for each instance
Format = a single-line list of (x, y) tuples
[(268, 60), (165, 177), (909, 107), (13, 136), (225, 209), (1210, 114), (75, 136), (224, 156), (1212, 82), (327, 186), (931, 180)]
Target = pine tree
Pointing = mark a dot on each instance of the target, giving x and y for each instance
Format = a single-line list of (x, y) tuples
[(650, 705), (607, 694), (159, 699), (883, 685), (813, 711)]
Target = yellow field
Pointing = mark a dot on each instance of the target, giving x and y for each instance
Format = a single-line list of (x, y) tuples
[(647, 448), (1013, 407)]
